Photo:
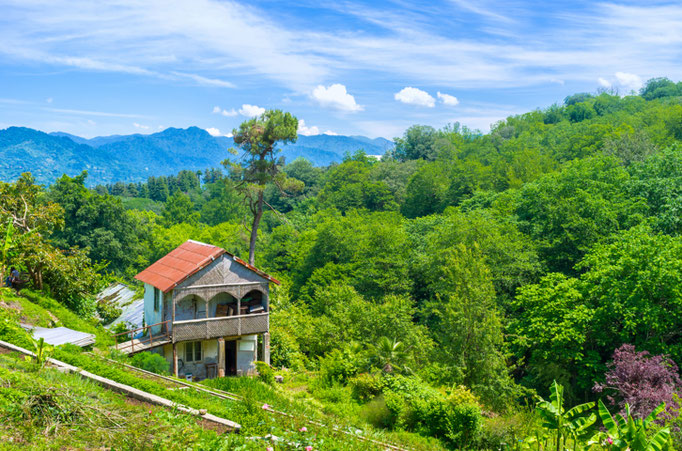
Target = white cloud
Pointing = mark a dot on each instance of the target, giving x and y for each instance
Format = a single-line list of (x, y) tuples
[(604, 83), (305, 130), (414, 96), (336, 97), (447, 99), (230, 113), (251, 110), (140, 126), (216, 132), (631, 81), (91, 122), (330, 133), (49, 100)]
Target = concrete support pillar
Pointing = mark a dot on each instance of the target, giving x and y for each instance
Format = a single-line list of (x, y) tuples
[(175, 359), (221, 357), (266, 347)]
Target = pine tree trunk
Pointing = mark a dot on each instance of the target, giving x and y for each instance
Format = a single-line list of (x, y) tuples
[(254, 228)]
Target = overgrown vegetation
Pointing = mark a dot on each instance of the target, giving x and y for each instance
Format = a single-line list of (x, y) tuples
[(438, 290)]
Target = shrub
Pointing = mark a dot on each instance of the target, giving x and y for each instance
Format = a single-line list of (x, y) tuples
[(338, 366), (377, 414), (11, 332), (416, 406), (641, 381), (107, 311), (265, 373), (365, 386), (151, 362)]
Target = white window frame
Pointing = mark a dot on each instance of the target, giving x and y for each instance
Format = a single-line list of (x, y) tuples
[(193, 345)]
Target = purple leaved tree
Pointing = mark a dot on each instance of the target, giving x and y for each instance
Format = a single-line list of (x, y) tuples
[(640, 380)]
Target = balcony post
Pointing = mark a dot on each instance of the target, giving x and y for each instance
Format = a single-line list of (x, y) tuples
[(221, 357), (175, 359), (266, 347)]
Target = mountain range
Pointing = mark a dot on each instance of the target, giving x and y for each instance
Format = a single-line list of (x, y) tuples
[(133, 158)]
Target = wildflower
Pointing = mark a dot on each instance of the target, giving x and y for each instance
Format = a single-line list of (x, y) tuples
[(609, 441), (266, 407), (269, 448), (308, 448), (303, 429), (150, 412)]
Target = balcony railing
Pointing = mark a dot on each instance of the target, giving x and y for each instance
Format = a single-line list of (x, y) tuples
[(226, 326)]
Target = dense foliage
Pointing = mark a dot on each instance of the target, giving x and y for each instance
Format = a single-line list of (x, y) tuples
[(444, 285)]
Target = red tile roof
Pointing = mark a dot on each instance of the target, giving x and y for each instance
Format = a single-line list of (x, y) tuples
[(185, 260)]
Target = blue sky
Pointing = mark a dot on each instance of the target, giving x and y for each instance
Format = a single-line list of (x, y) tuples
[(346, 67)]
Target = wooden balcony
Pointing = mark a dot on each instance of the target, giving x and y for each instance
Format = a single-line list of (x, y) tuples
[(226, 326)]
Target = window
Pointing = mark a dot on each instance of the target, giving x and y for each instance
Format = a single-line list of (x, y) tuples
[(157, 299), (193, 351)]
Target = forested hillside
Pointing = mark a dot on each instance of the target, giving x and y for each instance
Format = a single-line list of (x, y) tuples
[(439, 289), (133, 158)]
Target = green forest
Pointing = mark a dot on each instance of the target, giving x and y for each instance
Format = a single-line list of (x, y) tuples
[(467, 287)]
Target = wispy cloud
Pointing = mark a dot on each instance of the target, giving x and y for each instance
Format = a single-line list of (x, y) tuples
[(205, 81), (93, 113)]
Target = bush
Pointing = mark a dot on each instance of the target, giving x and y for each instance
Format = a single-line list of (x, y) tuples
[(265, 373), (151, 362), (11, 332), (338, 366), (108, 311), (377, 414), (416, 406), (365, 386)]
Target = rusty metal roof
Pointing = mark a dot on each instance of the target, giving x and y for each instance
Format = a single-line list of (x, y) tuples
[(185, 260)]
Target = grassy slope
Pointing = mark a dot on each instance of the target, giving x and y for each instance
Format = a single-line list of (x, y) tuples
[(39, 310), (47, 409)]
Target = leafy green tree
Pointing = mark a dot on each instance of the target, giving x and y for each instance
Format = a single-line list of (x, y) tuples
[(350, 186), (258, 138), (99, 223), (467, 326), (418, 142), (179, 208), (426, 192), (570, 211), (656, 88)]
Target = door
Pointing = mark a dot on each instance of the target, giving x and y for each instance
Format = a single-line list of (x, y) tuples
[(231, 358)]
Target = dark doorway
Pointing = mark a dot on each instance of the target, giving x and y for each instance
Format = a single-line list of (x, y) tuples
[(231, 358)]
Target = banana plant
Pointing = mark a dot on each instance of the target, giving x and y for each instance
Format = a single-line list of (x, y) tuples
[(628, 433), (574, 423)]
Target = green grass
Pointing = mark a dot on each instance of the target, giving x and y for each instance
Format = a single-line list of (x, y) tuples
[(48, 409), (39, 310), (328, 406)]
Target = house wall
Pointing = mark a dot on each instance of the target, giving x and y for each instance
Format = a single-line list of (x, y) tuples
[(185, 308), (245, 358), (151, 316)]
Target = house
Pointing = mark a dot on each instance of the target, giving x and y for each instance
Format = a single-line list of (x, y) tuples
[(205, 310)]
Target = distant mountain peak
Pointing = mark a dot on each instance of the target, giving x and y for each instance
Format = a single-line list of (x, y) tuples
[(135, 157)]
